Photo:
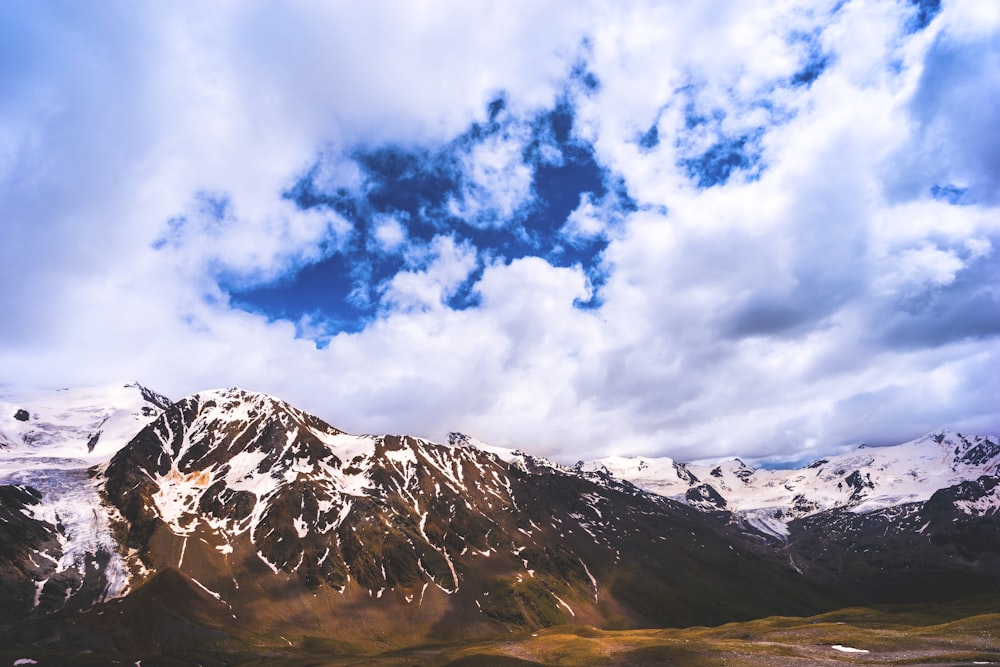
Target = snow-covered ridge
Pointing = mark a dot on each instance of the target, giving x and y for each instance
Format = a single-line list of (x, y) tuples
[(240, 470), (89, 423), (864, 480), (512, 456), (48, 441)]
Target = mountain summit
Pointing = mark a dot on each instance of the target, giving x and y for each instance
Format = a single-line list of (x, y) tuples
[(230, 510), (274, 512), (862, 481)]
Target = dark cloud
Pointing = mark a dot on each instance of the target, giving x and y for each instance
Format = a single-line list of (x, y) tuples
[(967, 308), (957, 108), (767, 318)]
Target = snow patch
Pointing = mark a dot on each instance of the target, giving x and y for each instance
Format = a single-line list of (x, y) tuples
[(848, 649), (593, 581), (301, 527), (206, 589), (766, 522), (274, 568), (563, 603), (178, 495)]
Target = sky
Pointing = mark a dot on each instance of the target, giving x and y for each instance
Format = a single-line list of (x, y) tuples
[(765, 228)]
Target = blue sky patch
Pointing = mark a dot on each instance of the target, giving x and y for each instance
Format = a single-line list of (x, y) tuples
[(650, 139), (949, 193), (816, 61), (418, 193), (723, 159), (924, 12), (210, 210), (715, 144)]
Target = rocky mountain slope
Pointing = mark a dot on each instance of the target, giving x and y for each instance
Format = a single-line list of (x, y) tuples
[(57, 549), (276, 514), (231, 510), (865, 480), (912, 522)]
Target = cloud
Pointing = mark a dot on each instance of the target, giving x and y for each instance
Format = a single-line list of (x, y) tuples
[(496, 181), (687, 229), (446, 266), (953, 153), (388, 234)]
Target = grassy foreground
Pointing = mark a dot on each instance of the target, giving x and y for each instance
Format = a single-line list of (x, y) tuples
[(959, 633)]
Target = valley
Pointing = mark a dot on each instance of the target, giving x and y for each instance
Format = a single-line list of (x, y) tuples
[(964, 632)]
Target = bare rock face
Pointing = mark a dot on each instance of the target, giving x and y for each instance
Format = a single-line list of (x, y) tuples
[(231, 510), (272, 509), (29, 551)]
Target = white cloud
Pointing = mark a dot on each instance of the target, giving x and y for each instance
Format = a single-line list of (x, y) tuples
[(389, 234), (585, 222), (919, 268), (828, 299), (497, 181), (970, 19), (448, 265)]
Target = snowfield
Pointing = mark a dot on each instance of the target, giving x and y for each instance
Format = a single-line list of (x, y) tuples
[(50, 440), (59, 442), (865, 480)]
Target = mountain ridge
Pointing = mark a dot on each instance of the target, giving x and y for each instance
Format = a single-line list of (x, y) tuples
[(904, 473), (276, 520)]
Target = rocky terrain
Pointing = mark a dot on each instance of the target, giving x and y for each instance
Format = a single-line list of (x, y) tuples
[(130, 524)]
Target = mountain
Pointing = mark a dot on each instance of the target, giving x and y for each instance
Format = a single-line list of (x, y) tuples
[(56, 545), (912, 522), (82, 423), (278, 521), (230, 519), (277, 515), (865, 480)]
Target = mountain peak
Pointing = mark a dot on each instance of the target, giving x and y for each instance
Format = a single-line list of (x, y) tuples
[(242, 479), (87, 422), (264, 513)]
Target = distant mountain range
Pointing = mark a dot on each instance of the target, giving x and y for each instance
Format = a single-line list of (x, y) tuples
[(132, 523)]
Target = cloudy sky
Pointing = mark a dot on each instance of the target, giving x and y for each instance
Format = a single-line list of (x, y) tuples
[(693, 229)]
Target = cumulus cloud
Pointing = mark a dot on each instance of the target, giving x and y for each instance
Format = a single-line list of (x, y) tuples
[(497, 182), (388, 234), (661, 228)]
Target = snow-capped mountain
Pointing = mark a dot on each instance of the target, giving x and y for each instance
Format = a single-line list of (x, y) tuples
[(50, 440), (89, 424), (230, 510), (252, 498), (265, 513), (911, 522), (865, 480)]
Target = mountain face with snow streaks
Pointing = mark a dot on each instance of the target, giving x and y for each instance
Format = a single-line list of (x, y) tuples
[(867, 479), (57, 549), (425, 532), (230, 510)]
